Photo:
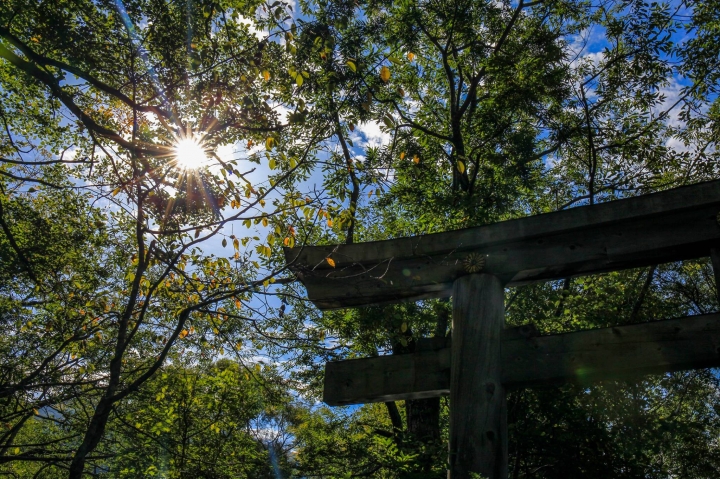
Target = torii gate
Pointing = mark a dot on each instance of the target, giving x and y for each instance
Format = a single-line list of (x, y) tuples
[(474, 265)]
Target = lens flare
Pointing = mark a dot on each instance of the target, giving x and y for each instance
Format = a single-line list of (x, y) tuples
[(190, 154)]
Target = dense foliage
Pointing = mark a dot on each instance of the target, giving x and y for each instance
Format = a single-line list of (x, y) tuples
[(149, 327)]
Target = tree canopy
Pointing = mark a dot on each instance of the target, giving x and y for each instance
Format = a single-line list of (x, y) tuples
[(157, 155)]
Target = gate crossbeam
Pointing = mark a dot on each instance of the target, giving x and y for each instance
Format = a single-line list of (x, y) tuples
[(652, 229), (618, 352)]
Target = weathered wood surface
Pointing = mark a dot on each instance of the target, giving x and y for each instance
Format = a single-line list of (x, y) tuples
[(656, 228), (478, 410), (422, 374), (583, 356)]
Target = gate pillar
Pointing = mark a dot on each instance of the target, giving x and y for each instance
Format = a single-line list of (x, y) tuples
[(478, 410)]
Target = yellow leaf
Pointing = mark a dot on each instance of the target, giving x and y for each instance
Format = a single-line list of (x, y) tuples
[(329, 223), (351, 65), (286, 241), (269, 143), (264, 221), (238, 304), (116, 191), (461, 167), (416, 159), (299, 80), (403, 328), (402, 155), (411, 56), (330, 261), (370, 193), (183, 333), (385, 74), (266, 75)]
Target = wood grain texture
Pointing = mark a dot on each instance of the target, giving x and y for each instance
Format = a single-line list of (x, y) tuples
[(582, 357), (478, 413), (652, 229), (386, 378)]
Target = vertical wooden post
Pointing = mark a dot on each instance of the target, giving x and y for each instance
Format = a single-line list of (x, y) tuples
[(478, 411)]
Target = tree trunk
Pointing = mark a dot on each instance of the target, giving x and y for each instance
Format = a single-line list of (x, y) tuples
[(423, 415), (423, 418)]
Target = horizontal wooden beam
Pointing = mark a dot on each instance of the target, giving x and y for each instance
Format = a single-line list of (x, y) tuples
[(583, 356), (657, 228)]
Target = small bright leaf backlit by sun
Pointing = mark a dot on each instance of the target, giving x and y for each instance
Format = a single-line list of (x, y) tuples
[(190, 154)]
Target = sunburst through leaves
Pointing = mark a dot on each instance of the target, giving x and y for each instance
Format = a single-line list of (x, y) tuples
[(190, 153)]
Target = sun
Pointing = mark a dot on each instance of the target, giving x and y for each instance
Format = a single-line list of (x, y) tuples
[(190, 154)]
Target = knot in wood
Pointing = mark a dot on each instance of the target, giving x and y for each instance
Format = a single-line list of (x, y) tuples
[(490, 388), (474, 262), (528, 331)]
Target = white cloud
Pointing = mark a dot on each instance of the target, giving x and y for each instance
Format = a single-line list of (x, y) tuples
[(672, 93), (369, 134), (69, 154), (588, 41), (587, 47), (677, 145), (252, 27), (226, 152)]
